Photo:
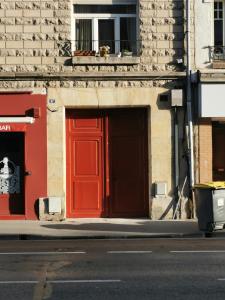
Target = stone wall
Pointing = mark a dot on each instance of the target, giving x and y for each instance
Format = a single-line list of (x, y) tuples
[(159, 133), (29, 33), (204, 22), (33, 37), (119, 83), (161, 33)]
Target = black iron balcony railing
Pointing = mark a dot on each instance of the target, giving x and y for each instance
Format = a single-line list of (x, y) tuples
[(217, 53), (99, 47)]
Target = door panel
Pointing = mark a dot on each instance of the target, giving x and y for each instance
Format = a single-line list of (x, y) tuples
[(87, 178), (86, 195), (12, 173), (128, 163), (86, 155), (85, 161)]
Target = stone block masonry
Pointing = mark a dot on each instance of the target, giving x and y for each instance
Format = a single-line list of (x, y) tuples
[(35, 46), (34, 33)]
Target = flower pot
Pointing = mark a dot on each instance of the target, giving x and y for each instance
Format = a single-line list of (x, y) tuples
[(84, 53), (127, 53)]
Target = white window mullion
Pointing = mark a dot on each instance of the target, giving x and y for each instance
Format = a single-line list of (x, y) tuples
[(117, 35), (73, 32), (95, 34), (223, 9)]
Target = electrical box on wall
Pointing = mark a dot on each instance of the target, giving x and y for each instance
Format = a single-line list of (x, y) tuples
[(176, 97), (50, 209), (160, 189), (54, 205)]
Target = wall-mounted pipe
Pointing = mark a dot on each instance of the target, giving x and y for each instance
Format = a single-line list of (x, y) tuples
[(189, 97)]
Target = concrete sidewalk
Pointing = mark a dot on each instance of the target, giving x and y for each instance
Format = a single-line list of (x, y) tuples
[(99, 228)]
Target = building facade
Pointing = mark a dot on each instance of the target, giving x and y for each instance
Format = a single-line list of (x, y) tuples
[(102, 73), (209, 90)]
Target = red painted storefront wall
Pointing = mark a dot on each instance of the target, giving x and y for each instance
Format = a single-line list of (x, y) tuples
[(35, 147)]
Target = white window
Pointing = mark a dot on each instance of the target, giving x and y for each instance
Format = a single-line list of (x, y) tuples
[(104, 25), (219, 23)]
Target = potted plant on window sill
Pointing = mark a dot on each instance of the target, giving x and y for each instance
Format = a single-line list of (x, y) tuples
[(104, 51), (84, 53), (126, 52)]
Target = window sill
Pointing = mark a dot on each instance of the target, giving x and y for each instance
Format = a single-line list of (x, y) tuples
[(112, 60), (219, 64)]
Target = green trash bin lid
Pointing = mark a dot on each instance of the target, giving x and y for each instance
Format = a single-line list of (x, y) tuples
[(211, 185)]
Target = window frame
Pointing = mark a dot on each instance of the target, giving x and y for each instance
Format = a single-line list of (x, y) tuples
[(223, 18), (94, 18)]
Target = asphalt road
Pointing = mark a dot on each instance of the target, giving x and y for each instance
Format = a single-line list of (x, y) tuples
[(113, 269)]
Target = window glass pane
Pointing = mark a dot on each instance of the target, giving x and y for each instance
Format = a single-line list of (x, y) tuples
[(105, 9), (128, 34), (106, 34), (83, 34), (221, 14), (218, 33), (220, 5)]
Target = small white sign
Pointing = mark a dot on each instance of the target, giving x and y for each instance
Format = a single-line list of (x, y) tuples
[(220, 202)]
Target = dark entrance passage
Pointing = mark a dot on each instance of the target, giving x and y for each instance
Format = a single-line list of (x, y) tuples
[(12, 173), (107, 173), (218, 139), (128, 163)]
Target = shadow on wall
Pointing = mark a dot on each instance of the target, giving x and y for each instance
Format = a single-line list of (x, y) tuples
[(36, 208), (185, 206), (181, 202)]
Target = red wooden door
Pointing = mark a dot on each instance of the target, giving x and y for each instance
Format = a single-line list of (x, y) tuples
[(85, 164), (128, 163), (107, 163), (12, 174)]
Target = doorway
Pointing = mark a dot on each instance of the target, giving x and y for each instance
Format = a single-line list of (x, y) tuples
[(218, 139), (107, 159), (12, 173)]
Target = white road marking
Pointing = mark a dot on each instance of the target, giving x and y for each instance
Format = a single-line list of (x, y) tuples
[(128, 252), (85, 281), (42, 253), (221, 279), (60, 281), (199, 251), (18, 281)]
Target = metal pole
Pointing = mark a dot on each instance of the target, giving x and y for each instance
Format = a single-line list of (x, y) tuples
[(189, 100), (176, 149), (176, 159)]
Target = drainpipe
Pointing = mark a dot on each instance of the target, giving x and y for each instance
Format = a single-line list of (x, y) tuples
[(189, 100), (176, 158)]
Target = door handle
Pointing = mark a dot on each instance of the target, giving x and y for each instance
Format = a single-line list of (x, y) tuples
[(27, 173)]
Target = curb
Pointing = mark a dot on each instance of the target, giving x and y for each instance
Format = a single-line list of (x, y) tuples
[(30, 237)]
